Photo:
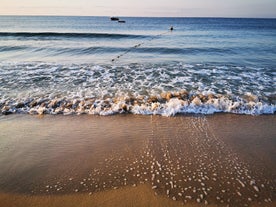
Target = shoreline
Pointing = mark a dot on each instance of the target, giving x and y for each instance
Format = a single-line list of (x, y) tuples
[(147, 160), (141, 195)]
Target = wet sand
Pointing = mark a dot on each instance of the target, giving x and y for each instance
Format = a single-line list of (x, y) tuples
[(128, 160)]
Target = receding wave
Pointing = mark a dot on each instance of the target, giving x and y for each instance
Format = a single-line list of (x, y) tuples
[(68, 35)]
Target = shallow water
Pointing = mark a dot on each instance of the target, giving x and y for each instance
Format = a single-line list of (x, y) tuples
[(68, 60)]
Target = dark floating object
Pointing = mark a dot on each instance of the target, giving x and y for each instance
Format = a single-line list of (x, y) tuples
[(122, 21), (114, 18)]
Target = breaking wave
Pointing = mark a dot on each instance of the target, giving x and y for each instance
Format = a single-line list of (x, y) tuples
[(165, 104), (158, 89)]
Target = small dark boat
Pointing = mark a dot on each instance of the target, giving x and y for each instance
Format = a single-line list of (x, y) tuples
[(122, 21), (114, 18)]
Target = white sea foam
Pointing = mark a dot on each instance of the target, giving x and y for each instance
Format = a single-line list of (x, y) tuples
[(164, 89), (169, 105)]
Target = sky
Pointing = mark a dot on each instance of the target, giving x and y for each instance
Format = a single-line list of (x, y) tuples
[(155, 8)]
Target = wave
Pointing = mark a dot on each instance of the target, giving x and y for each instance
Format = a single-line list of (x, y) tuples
[(165, 104), (87, 50), (164, 88), (12, 48), (178, 50), (108, 50), (68, 35)]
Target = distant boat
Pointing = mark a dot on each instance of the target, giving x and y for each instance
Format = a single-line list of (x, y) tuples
[(114, 19), (122, 21)]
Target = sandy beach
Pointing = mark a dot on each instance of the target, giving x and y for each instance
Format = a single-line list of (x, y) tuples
[(134, 160)]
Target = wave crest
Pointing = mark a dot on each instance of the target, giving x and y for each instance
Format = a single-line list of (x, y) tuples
[(165, 104), (68, 35)]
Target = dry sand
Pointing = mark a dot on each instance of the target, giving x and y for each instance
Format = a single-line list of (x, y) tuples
[(128, 160)]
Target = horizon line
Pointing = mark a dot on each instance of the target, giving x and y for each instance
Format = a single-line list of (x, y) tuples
[(224, 17)]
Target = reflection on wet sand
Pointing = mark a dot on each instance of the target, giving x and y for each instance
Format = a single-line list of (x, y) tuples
[(183, 159)]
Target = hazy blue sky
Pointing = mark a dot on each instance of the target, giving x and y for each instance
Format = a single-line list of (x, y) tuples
[(182, 8)]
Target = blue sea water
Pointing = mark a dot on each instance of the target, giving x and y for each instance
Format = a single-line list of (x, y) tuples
[(92, 65)]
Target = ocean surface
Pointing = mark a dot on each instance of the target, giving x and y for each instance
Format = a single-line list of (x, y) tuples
[(92, 65)]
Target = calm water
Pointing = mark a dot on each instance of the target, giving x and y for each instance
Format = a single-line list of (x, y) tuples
[(74, 65)]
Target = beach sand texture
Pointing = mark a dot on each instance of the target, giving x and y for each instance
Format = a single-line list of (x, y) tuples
[(130, 160)]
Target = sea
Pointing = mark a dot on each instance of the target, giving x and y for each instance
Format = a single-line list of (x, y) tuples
[(92, 65)]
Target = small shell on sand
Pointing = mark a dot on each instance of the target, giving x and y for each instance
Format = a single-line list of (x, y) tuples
[(242, 184), (256, 188), (171, 183), (201, 196), (252, 182)]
